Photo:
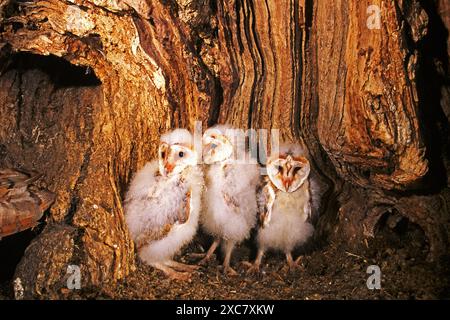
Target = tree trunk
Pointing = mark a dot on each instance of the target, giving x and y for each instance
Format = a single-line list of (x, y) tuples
[(87, 87)]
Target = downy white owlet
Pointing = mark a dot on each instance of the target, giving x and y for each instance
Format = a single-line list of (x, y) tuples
[(162, 205), (284, 203), (230, 205)]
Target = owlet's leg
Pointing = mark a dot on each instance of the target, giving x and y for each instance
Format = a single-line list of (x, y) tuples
[(210, 252), (255, 266), (206, 256), (228, 248)]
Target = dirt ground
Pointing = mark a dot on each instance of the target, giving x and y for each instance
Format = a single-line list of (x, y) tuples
[(331, 272)]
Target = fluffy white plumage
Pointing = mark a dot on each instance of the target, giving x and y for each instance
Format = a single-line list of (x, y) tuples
[(230, 204), (178, 136), (285, 204), (230, 201), (162, 206), (288, 226)]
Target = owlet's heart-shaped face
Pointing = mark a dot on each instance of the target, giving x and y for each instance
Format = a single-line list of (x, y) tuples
[(173, 159), (216, 146), (288, 173)]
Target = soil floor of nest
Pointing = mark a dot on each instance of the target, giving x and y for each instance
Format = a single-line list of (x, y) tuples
[(330, 273)]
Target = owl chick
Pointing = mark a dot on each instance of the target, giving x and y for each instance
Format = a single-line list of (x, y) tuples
[(230, 205), (284, 204), (162, 205)]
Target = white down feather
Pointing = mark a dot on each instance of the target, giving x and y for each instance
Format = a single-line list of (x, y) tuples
[(288, 226), (220, 219), (153, 200), (181, 136)]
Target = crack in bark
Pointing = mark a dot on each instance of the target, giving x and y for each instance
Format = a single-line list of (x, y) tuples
[(75, 199), (20, 107)]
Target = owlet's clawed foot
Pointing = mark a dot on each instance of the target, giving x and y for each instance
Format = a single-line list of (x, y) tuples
[(229, 271), (291, 264), (195, 255), (182, 267), (252, 268), (205, 260), (171, 273), (206, 256)]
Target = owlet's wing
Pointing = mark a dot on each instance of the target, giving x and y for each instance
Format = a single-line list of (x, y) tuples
[(160, 231), (266, 200)]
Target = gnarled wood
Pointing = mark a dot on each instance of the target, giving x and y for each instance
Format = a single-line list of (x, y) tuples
[(357, 96), (149, 81)]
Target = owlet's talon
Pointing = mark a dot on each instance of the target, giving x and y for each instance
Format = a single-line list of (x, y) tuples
[(252, 267), (203, 262), (291, 265), (194, 255), (229, 271), (182, 267)]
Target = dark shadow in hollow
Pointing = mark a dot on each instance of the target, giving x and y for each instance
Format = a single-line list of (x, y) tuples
[(61, 75), (432, 77), (61, 72), (12, 249)]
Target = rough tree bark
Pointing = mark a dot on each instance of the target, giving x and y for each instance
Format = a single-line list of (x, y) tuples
[(357, 97), (365, 106)]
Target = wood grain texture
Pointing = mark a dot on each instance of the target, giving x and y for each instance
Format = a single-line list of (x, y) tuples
[(362, 103), (89, 140), (361, 100), (367, 121), (261, 67)]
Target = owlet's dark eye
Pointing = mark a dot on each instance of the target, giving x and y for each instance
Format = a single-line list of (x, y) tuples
[(296, 170), (163, 155), (181, 154)]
